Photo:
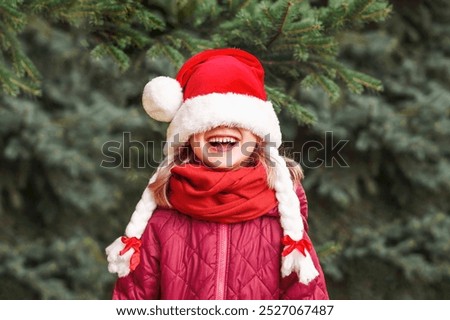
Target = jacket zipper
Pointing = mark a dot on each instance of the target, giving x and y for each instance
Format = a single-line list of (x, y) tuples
[(222, 254)]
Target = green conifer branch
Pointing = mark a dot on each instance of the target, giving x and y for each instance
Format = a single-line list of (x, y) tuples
[(355, 80), (292, 30), (286, 6), (281, 100), (330, 87), (340, 15), (161, 49), (111, 51), (13, 85), (301, 28), (6, 81), (10, 15), (357, 8)]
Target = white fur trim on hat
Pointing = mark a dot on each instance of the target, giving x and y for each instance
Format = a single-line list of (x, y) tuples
[(205, 112), (162, 97)]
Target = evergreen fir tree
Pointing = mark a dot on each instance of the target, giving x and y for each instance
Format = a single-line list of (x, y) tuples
[(388, 211)]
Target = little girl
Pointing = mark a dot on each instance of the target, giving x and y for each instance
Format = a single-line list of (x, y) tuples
[(224, 216)]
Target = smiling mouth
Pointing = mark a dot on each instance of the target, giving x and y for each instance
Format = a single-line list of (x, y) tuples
[(221, 143)]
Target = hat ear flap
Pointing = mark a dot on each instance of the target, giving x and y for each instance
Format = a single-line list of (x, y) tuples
[(162, 97)]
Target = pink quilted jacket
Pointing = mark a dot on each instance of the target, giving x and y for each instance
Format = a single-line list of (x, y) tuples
[(184, 258)]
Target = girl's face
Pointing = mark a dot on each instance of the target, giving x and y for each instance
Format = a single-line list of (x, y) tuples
[(223, 147)]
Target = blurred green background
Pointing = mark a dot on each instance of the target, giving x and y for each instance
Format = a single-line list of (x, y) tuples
[(76, 147)]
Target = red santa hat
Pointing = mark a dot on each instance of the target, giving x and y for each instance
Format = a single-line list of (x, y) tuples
[(214, 88)]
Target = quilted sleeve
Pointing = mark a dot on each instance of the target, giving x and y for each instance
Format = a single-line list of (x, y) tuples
[(144, 282), (291, 288)]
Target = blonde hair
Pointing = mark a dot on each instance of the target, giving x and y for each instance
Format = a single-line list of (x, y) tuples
[(185, 154)]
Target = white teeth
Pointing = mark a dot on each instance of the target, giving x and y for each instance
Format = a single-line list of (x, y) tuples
[(222, 139)]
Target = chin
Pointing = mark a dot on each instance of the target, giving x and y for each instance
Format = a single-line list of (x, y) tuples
[(223, 163)]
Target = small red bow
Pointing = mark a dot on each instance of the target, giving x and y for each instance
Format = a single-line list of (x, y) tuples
[(301, 245), (134, 243)]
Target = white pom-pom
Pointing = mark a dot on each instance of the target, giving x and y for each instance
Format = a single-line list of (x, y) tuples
[(302, 265), (118, 263), (162, 97)]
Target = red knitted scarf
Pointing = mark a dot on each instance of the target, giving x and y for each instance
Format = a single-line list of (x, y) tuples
[(224, 196)]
